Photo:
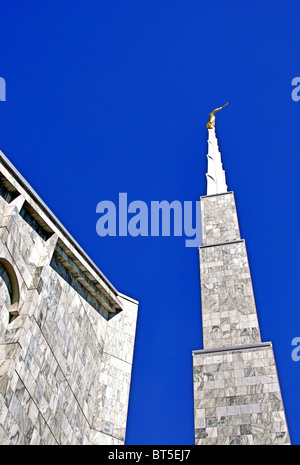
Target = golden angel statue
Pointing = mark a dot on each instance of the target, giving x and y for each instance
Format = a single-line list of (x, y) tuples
[(212, 118)]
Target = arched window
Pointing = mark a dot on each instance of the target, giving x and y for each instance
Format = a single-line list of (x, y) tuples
[(9, 277)]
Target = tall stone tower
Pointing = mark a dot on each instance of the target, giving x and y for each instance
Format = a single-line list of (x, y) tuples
[(237, 398)]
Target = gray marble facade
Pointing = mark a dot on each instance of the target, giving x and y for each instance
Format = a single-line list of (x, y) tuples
[(237, 398), (66, 334)]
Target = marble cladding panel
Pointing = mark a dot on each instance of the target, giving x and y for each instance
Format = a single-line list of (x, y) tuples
[(23, 245), (115, 375), (28, 243), (75, 334), (228, 308), (3, 205), (237, 398), (21, 421), (219, 219)]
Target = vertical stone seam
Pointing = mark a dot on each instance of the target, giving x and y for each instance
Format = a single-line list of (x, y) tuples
[(32, 398), (78, 403)]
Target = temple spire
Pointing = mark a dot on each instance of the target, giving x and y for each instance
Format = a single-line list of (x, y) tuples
[(216, 181)]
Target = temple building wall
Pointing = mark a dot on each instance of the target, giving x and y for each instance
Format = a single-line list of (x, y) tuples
[(66, 334)]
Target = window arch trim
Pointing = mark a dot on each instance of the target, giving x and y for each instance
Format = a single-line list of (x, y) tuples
[(10, 278)]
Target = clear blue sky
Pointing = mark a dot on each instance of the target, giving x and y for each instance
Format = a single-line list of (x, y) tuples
[(107, 97)]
